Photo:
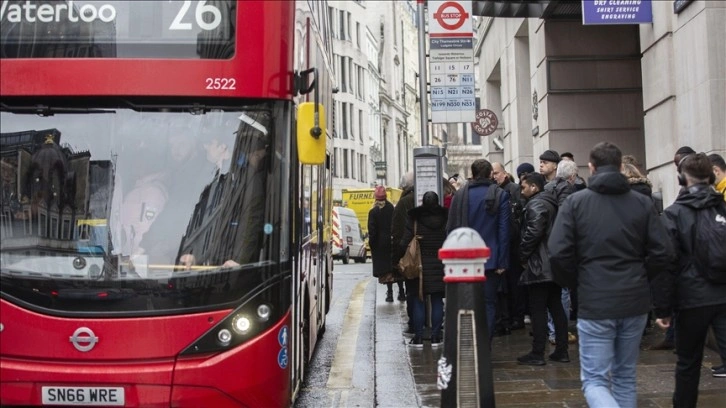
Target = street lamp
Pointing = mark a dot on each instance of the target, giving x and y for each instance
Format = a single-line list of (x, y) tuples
[(380, 170)]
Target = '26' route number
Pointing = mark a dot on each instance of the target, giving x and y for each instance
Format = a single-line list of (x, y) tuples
[(221, 83), (202, 9)]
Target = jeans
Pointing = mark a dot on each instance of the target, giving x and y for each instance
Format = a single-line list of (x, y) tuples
[(566, 303), (437, 314), (490, 297), (690, 339), (609, 350)]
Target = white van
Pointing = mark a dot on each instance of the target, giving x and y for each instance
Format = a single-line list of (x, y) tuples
[(348, 239)]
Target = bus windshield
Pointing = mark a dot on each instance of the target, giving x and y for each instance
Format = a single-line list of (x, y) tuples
[(106, 205)]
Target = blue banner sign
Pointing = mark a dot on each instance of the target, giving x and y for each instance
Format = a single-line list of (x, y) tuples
[(616, 12)]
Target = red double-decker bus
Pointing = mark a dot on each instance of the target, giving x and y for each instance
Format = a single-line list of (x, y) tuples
[(166, 177)]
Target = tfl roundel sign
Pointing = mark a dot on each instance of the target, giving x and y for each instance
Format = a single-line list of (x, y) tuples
[(450, 17)]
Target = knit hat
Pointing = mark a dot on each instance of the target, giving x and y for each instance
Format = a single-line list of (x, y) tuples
[(550, 156), (524, 168), (380, 193)]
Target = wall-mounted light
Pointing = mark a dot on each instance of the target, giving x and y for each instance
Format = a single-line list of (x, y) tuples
[(498, 143)]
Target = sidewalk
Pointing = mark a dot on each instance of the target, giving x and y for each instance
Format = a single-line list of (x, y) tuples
[(552, 385)]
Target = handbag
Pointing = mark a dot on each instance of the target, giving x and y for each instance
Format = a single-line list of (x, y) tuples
[(410, 263)]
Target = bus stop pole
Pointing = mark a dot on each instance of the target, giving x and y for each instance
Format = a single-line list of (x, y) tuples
[(422, 88), (465, 370)]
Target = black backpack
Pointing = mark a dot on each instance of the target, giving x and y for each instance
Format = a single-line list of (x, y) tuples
[(492, 200), (709, 250)]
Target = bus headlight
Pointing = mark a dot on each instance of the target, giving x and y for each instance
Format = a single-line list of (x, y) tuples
[(250, 319), (241, 324), (263, 312), (224, 336)]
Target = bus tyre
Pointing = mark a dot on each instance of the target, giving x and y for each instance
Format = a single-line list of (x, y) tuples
[(346, 256)]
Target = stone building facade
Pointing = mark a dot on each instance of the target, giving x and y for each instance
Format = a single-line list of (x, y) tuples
[(557, 84)]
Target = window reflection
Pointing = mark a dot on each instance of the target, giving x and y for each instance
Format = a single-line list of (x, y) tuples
[(129, 194)]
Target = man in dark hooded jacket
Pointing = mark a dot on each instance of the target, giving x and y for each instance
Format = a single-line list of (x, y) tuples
[(608, 241), (700, 303)]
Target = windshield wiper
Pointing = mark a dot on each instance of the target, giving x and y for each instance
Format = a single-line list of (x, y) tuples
[(44, 110)]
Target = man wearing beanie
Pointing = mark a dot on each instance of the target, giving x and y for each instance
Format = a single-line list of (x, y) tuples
[(524, 169), (548, 164)]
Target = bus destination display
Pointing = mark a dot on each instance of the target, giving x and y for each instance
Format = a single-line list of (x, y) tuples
[(185, 29)]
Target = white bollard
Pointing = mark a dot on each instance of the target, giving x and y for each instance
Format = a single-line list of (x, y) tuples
[(464, 370)]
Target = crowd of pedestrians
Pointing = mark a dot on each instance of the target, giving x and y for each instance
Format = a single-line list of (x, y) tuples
[(596, 252)]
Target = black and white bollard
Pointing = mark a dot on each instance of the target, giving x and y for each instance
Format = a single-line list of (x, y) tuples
[(465, 369)]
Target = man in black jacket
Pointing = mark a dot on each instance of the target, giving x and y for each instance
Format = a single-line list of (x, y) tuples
[(398, 227), (512, 301), (607, 242), (700, 303), (544, 294)]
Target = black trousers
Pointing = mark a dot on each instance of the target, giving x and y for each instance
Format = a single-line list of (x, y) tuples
[(511, 299), (544, 296), (690, 340)]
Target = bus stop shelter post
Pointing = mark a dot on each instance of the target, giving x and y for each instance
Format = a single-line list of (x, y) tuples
[(464, 369)]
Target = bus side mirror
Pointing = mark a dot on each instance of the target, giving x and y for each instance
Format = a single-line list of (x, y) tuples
[(311, 135)]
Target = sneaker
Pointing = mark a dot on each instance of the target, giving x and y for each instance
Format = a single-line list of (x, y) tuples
[(401, 297), (714, 368), (527, 320), (416, 342), (720, 372), (571, 338), (552, 341), (389, 297), (560, 357), (436, 342), (531, 359)]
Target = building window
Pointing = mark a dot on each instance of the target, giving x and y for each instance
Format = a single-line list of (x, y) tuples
[(350, 37), (345, 163), (343, 76), (331, 19), (360, 125), (345, 120), (357, 34), (350, 105), (336, 156), (353, 165), (350, 74), (342, 24)]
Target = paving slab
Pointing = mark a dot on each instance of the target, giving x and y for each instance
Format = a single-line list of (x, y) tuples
[(552, 385)]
